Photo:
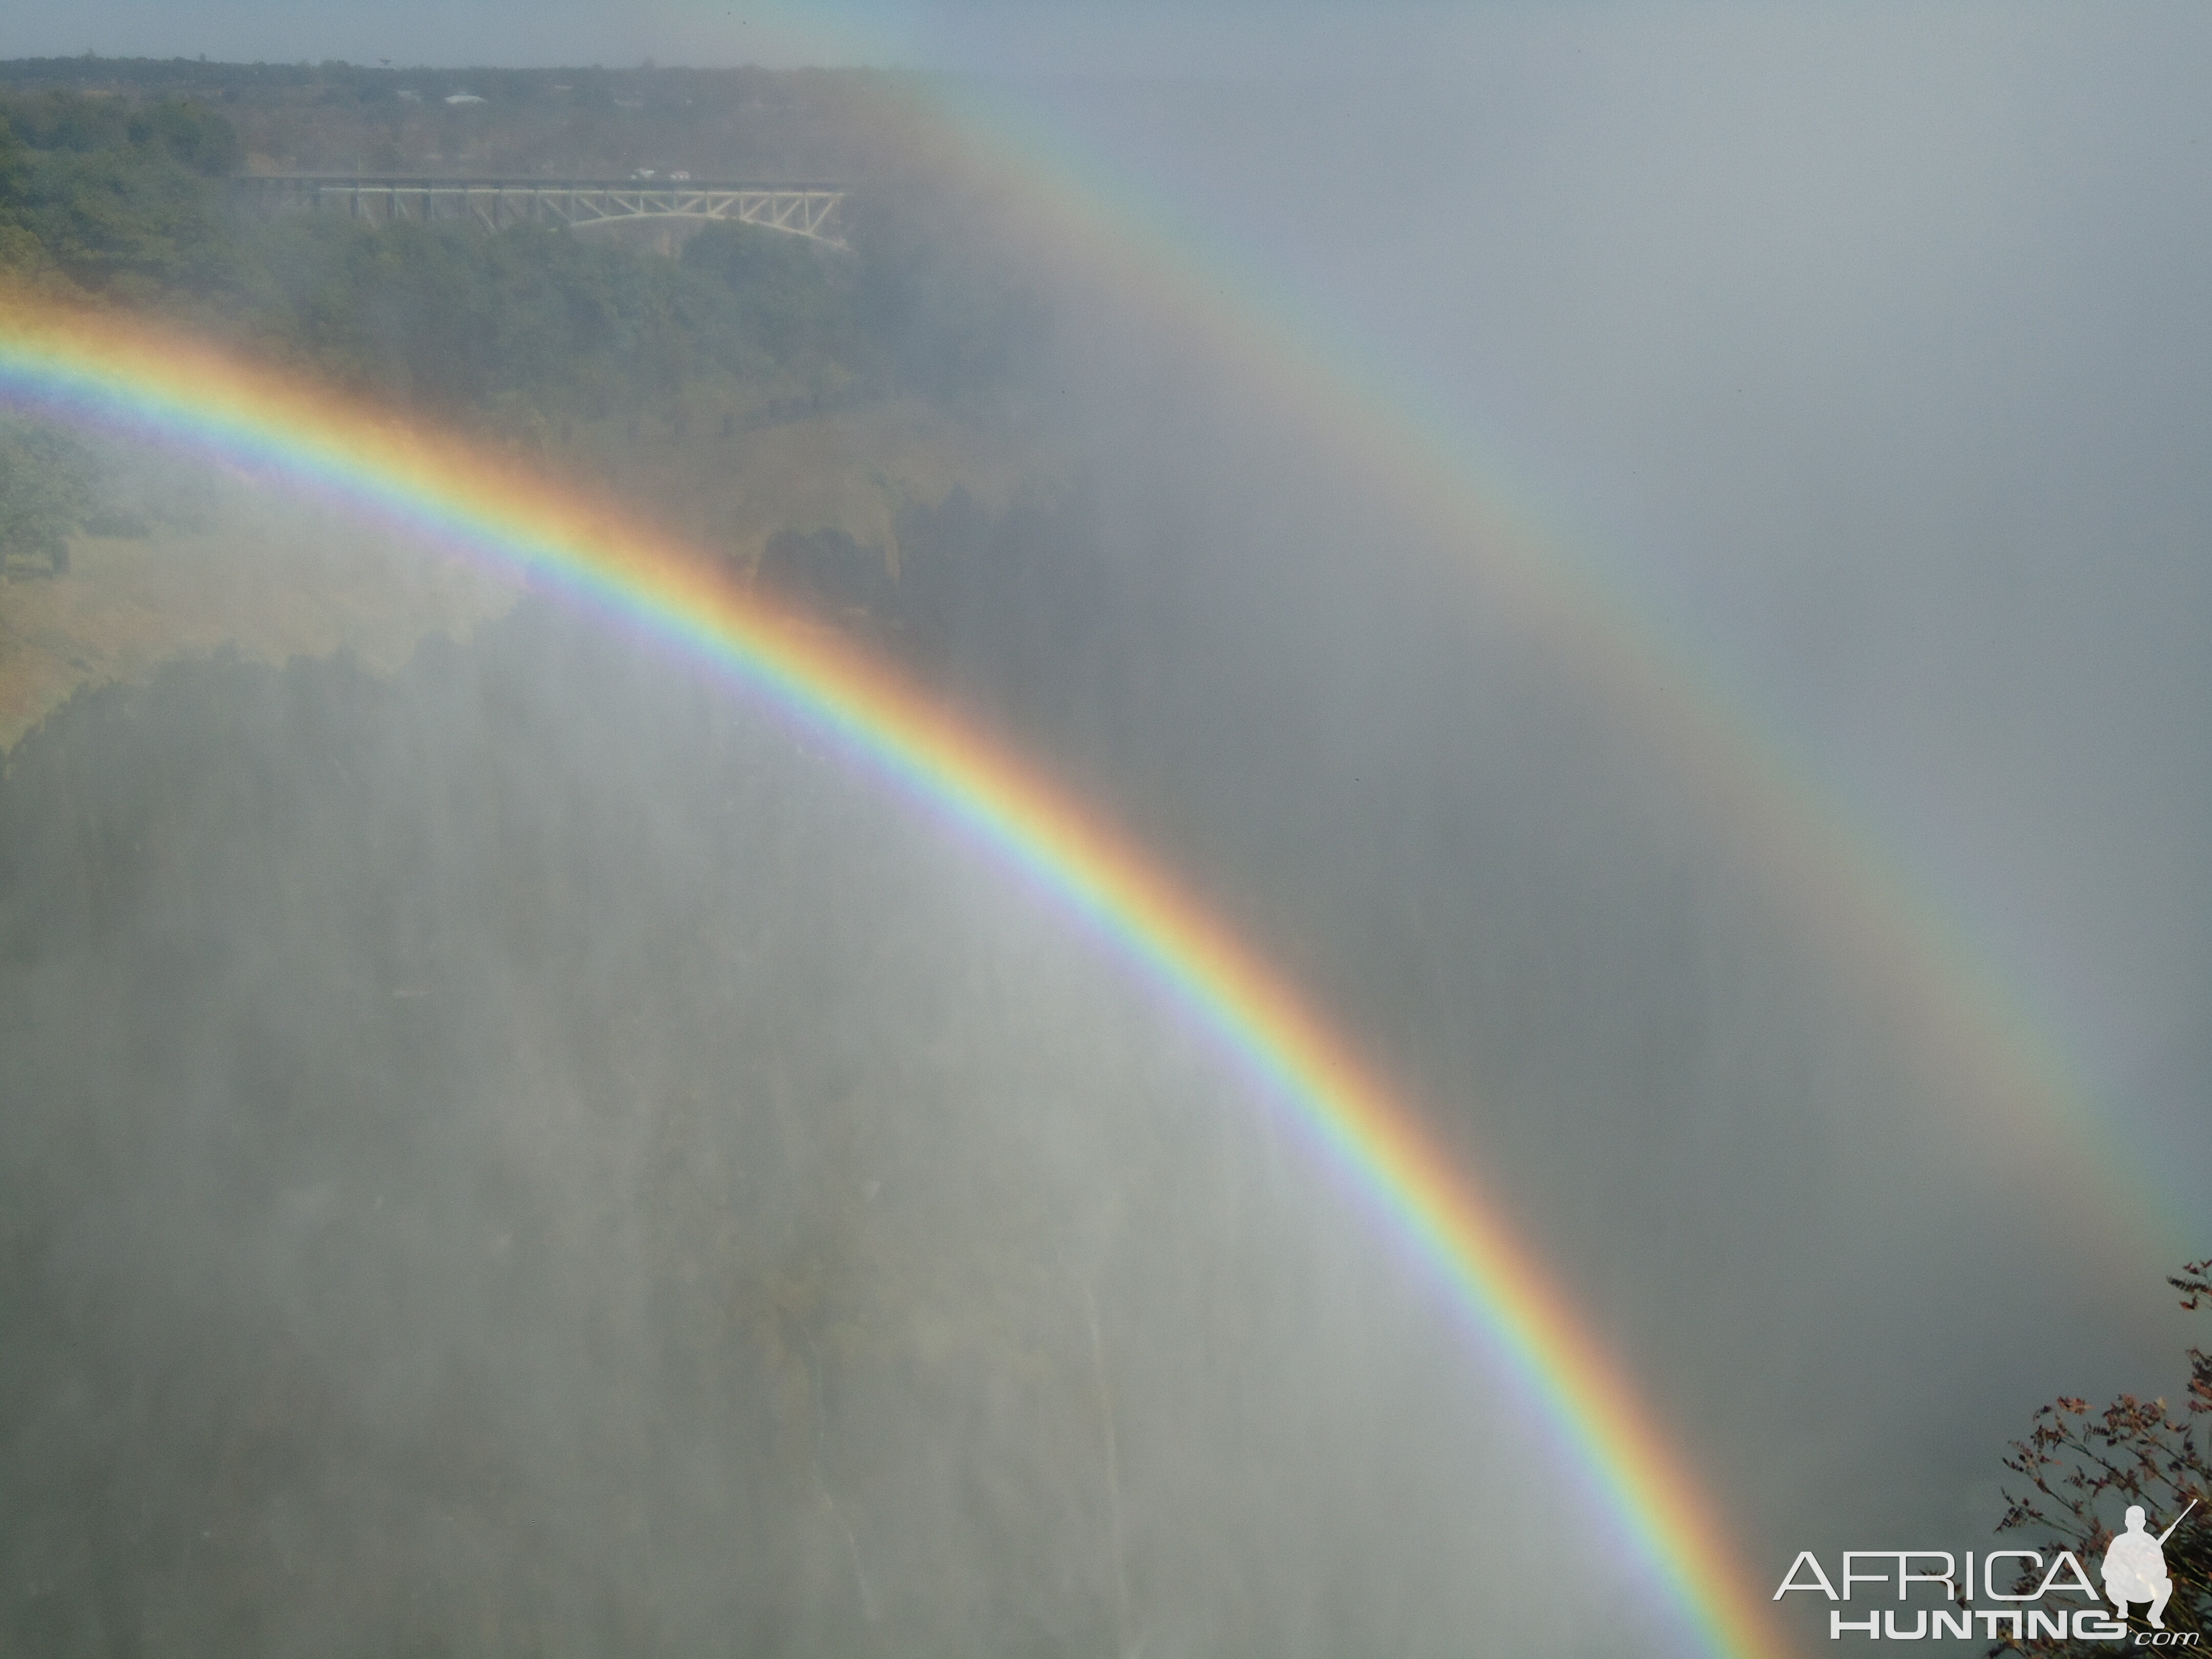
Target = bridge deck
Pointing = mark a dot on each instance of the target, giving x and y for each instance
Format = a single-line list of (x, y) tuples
[(809, 210)]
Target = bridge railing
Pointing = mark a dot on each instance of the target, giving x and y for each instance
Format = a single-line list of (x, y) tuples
[(808, 210)]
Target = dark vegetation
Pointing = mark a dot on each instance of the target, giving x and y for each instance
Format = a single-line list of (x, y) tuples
[(2082, 1468), (124, 202), (48, 490)]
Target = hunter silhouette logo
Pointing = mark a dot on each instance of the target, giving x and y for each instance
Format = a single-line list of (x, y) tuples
[(2134, 1566)]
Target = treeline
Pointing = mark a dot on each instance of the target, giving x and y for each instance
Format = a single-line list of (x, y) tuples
[(103, 200), (336, 116), (335, 78)]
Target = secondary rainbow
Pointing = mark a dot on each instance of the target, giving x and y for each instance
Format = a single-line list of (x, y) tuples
[(1981, 1050), (119, 376)]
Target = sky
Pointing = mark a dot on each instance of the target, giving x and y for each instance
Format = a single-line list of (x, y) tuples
[(1237, 40)]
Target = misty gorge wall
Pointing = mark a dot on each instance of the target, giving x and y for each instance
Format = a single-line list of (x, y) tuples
[(524, 1157)]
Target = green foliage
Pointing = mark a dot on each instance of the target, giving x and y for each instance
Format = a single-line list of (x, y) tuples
[(535, 327), (182, 129), (192, 135), (130, 224), (2084, 1469), (797, 299), (47, 485), (13, 165), (21, 253), (69, 121), (118, 198)]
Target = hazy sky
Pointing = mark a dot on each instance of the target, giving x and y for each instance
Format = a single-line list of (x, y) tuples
[(1241, 38)]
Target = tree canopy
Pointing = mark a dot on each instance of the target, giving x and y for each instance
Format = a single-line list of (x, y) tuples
[(47, 483)]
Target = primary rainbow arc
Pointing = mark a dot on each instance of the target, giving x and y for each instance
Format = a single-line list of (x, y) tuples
[(109, 373)]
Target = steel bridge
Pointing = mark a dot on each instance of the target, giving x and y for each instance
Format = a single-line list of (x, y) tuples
[(665, 208)]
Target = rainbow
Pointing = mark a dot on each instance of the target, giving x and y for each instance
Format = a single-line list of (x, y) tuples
[(117, 375), (1809, 856)]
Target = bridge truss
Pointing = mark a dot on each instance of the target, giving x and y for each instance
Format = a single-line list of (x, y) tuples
[(668, 206)]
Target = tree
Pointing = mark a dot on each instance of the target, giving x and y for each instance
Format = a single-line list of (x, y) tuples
[(21, 253), (195, 136), (2083, 1469), (46, 487)]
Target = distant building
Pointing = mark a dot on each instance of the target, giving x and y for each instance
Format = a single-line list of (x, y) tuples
[(643, 172), (463, 98), (409, 95), (679, 178)]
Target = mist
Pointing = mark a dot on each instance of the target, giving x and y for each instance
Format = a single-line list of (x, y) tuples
[(523, 1151), (512, 1147), (1857, 357)]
